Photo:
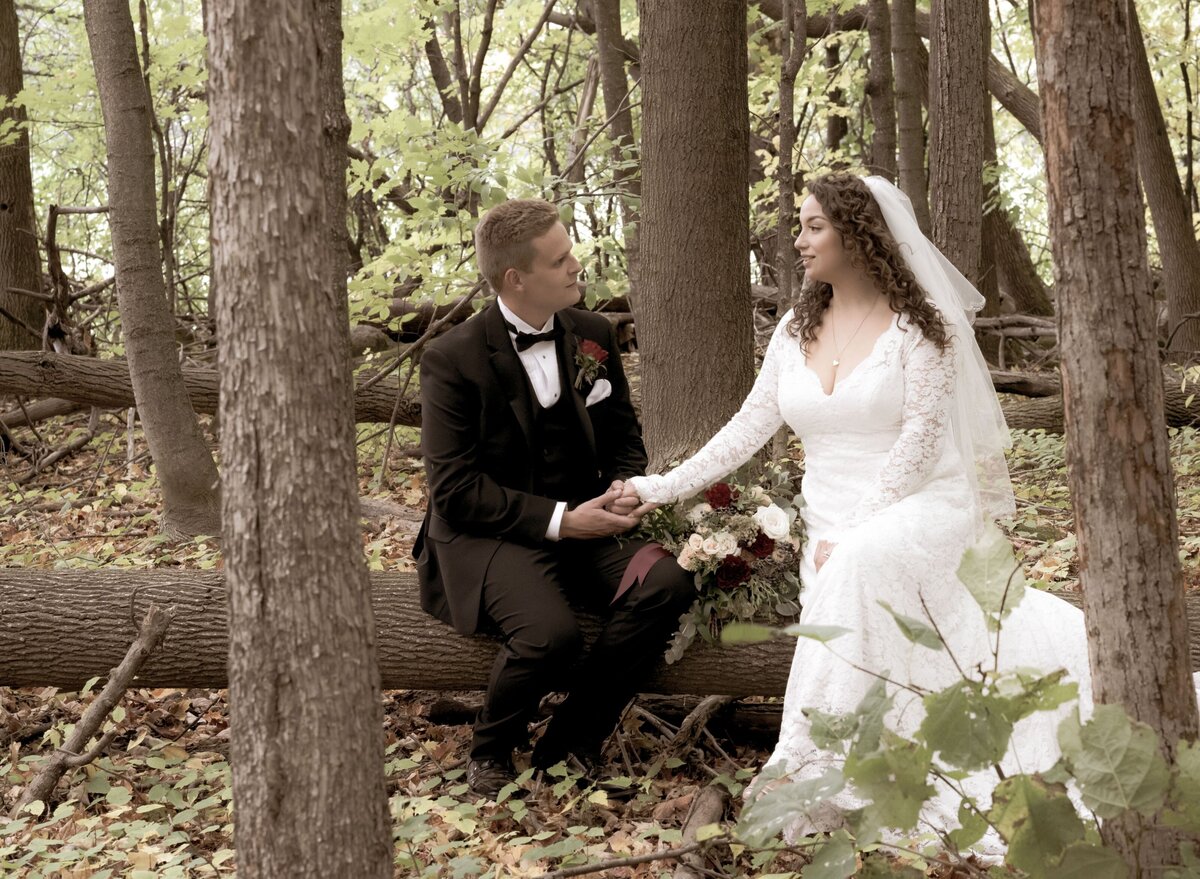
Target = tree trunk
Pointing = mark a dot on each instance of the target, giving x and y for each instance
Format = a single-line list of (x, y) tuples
[(836, 124), (794, 46), (910, 96), (19, 263), (1177, 246), (185, 468), (1015, 272), (1120, 471), (617, 99), (880, 90), (105, 383), (958, 104), (71, 625), (695, 240), (307, 744)]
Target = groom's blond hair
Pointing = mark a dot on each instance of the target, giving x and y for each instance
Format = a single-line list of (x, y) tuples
[(504, 237)]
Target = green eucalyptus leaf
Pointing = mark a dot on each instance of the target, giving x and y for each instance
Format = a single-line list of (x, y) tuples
[(772, 812)]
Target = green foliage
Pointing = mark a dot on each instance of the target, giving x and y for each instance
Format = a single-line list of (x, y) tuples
[(1116, 761)]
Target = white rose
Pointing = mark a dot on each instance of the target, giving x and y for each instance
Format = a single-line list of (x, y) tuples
[(710, 547), (687, 557), (726, 544), (695, 542), (773, 521), (696, 513), (759, 495)]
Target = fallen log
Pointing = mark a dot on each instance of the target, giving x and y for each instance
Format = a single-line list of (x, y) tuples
[(60, 628), (1047, 413), (105, 383)]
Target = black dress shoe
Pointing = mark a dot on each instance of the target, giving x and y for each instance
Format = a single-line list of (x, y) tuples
[(487, 777)]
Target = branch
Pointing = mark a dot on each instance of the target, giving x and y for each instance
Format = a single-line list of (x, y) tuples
[(512, 66), (153, 629)]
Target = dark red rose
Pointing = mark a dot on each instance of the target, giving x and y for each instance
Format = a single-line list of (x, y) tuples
[(721, 496), (761, 547), (588, 348), (733, 572)]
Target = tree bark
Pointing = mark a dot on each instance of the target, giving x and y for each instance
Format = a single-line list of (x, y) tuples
[(1178, 249), (181, 456), (836, 125), (615, 86), (958, 103), (881, 92), (1120, 471), (105, 383), (304, 682), (794, 46), (695, 239), (45, 613), (910, 97), (19, 263)]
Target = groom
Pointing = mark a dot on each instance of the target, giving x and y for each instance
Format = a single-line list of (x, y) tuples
[(529, 434)]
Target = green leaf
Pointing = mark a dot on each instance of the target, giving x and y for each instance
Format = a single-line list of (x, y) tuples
[(1184, 804), (914, 630), (965, 727), (824, 634), (746, 633), (896, 780), (771, 812), (1037, 820), (991, 574), (830, 731), (834, 860), (972, 827), (1085, 860), (1116, 761), (118, 796)]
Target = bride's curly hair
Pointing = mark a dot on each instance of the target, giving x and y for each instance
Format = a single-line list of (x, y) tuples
[(855, 214)]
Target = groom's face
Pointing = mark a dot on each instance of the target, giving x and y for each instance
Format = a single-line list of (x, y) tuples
[(552, 282)]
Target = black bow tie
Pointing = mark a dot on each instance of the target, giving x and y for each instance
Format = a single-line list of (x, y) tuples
[(525, 340)]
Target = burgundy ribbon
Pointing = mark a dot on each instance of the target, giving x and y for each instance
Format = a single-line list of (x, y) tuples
[(639, 566)]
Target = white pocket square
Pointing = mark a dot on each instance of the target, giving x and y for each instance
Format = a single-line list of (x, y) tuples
[(601, 390)]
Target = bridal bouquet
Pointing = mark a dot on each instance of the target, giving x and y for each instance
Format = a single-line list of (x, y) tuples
[(741, 538)]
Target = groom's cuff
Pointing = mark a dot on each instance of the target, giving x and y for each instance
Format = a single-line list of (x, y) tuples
[(556, 520)]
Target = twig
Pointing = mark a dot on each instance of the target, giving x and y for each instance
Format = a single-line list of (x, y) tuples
[(662, 855), (69, 449), (695, 723), (71, 754)]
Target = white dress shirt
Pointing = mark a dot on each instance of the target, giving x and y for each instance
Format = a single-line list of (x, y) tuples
[(541, 365)]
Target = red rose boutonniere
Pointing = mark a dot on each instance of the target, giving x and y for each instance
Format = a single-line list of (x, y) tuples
[(589, 359)]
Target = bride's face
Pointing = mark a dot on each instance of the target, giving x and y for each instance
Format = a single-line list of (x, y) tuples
[(820, 245)]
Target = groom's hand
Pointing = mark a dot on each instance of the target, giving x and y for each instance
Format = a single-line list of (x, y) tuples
[(628, 504), (592, 518)]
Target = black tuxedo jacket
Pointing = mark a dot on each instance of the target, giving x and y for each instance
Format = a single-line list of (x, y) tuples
[(477, 419)]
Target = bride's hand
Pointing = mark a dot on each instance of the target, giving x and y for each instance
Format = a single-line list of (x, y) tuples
[(821, 556)]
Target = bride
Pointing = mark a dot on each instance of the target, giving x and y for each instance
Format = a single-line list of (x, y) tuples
[(877, 371)]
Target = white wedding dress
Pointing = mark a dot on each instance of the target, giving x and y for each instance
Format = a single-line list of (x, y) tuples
[(884, 482)]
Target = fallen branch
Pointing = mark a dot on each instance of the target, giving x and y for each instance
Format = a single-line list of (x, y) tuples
[(669, 854), (707, 808), (694, 724), (71, 755)]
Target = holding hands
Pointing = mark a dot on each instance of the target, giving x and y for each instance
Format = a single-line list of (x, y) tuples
[(616, 511)]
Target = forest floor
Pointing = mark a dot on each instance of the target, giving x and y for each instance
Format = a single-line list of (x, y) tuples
[(157, 803)]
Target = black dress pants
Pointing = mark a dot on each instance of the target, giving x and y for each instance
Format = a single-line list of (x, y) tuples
[(525, 595)]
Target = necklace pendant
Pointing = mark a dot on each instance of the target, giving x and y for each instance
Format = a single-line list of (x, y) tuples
[(836, 364)]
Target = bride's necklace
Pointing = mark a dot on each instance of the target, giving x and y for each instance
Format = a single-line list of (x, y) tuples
[(838, 352)]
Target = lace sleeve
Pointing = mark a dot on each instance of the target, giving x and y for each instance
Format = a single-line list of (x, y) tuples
[(928, 383), (732, 446)]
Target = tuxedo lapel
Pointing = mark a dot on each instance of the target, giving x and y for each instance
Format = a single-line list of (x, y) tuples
[(570, 344), (509, 371)]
